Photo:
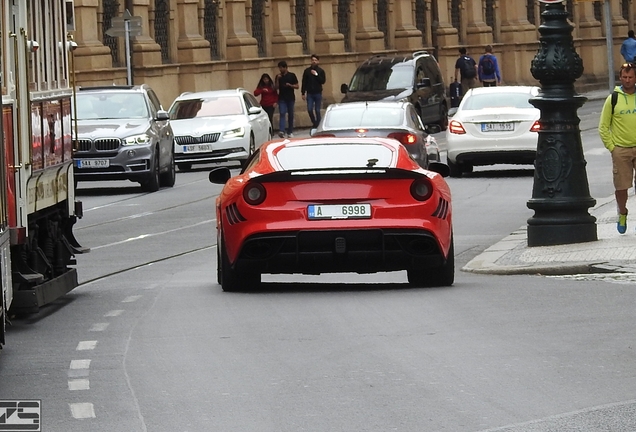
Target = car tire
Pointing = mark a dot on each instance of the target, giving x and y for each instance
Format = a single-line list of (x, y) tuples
[(455, 169), (443, 275), (250, 152), (168, 178), (151, 184), (230, 279), (443, 118), (184, 166)]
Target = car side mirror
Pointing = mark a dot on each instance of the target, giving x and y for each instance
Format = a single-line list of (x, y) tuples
[(452, 111), (162, 115), (254, 110), (440, 168), (424, 82), (220, 175), (344, 88), (432, 129)]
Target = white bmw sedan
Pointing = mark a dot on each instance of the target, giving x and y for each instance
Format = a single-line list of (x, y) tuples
[(493, 125), (217, 126)]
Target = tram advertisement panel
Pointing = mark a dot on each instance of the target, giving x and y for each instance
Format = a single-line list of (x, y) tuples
[(36, 139), (66, 124), (52, 132)]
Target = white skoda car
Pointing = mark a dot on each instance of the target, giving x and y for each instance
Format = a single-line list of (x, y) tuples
[(217, 126), (493, 125)]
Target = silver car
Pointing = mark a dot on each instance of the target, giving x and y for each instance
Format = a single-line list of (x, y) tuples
[(217, 126), (493, 125)]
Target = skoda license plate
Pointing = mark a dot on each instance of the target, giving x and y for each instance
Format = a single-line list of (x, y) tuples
[(339, 211), (92, 163), (197, 148), (497, 127)]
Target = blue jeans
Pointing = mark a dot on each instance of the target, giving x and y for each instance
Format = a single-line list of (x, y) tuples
[(314, 105), (286, 109)]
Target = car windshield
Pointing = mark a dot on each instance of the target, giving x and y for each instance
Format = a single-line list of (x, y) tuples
[(498, 100), (363, 116), (382, 77), (206, 107), (111, 105), (334, 156)]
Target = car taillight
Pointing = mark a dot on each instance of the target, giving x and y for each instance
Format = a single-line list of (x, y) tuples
[(536, 127), (323, 135), (422, 189), (404, 137), (456, 127), (254, 193)]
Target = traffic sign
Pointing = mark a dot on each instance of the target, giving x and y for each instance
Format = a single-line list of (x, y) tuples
[(118, 25)]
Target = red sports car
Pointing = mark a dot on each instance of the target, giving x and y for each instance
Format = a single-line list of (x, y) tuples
[(326, 205)]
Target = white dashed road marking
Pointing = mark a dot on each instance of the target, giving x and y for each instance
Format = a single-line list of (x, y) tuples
[(82, 410), (114, 313), (131, 299), (99, 327), (80, 364), (86, 345), (78, 384)]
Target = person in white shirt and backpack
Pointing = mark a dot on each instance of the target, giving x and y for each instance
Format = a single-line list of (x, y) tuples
[(488, 69)]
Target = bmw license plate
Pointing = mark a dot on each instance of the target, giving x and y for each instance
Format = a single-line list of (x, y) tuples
[(339, 211), (197, 148), (497, 127), (92, 163)]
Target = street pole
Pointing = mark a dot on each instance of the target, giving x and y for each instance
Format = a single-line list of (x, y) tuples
[(560, 193), (128, 60), (609, 38)]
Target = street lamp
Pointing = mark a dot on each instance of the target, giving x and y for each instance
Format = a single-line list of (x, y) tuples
[(560, 194)]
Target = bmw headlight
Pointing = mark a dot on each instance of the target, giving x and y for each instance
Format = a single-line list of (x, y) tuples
[(234, 133), (137, 139)]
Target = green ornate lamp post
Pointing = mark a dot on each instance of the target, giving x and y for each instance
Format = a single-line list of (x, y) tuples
[(560, 194)]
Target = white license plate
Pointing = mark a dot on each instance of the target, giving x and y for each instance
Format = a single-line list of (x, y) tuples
[(344, 211), (92, 163), (197, 148), (497, 127)]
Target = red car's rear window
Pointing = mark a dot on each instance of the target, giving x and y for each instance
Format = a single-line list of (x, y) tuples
[(336, 156)]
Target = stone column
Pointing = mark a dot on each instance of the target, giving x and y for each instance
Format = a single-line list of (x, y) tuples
[(447, 35), (477, 31), (285, 42), (515, 27), (145, 50), (407, 36), (367, 35), (191, 46), (240, 44), (328, 40), (91, 54), (589, 26)]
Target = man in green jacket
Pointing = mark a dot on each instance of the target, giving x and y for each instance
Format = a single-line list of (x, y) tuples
[(617, 128)]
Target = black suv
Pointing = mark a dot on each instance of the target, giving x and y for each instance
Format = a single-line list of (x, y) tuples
[(123, 134), (414, 78)]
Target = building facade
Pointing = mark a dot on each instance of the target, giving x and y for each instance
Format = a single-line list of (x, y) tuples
[(195, 45)]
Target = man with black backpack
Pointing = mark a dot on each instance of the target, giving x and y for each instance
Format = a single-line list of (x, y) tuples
[(466, 71), (488, 69)]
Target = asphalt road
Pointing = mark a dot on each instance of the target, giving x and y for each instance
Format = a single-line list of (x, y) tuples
[(150, 342)]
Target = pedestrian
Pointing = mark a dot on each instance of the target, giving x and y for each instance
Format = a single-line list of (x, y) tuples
[(465, 71), (286, 83), (269, 96), (313, 79), (628, 48), (617, 128), (488, 69)]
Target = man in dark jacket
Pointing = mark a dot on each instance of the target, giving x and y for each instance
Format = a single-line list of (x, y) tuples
[(311, 90), (286, 83)]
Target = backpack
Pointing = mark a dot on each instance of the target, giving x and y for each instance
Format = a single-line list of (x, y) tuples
[(614, 100), (487, 65), (468, 67)]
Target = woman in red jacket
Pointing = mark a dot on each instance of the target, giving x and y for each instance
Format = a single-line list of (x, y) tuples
[(268, 94)]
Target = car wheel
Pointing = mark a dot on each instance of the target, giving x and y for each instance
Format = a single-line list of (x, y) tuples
[(151, 184), (455, 169), (231, 280), (250, 152), (184, 166), (443, 275), (168, 178), (443, 118)]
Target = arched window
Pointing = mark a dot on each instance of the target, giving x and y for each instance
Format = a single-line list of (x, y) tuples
[(110, 10), (258, 29), (455, 14), (598, 11), (161, 28), (530, 12), (420, 19), (301, 22), (383, 20), (489, 12), (624, 9), (210, 27), (344, 25)]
